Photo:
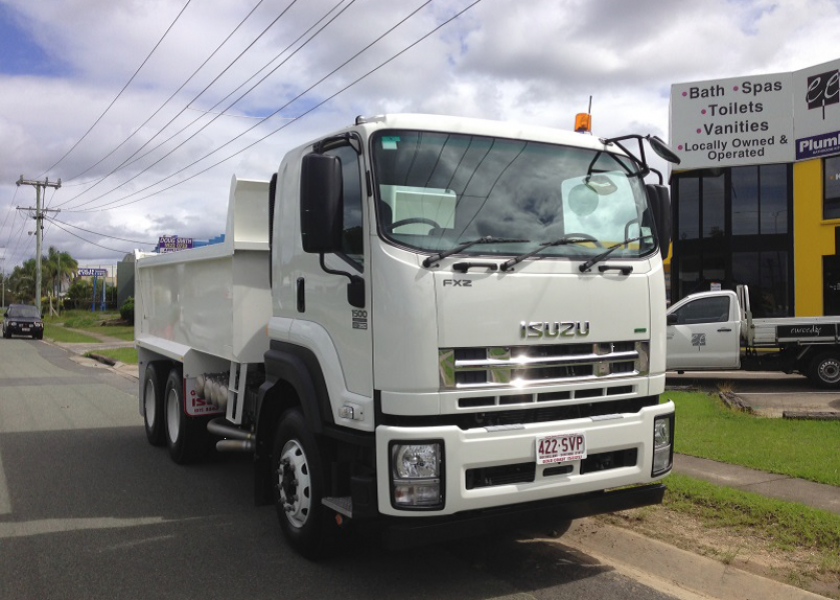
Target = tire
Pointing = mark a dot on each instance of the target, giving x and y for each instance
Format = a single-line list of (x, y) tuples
[(154, 386), (186, 437), (299, 483), (825, 370)]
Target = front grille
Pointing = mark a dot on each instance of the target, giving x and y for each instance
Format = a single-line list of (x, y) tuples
[(524, 366), (527, 472), (609, 460), (545, 414), (504, 475)]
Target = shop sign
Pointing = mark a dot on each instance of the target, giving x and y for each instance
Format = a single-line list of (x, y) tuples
[(173, 243), (735, 121), (757, 119), (816, 110)]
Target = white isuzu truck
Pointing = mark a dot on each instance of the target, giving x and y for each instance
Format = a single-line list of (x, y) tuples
[(423, 324)]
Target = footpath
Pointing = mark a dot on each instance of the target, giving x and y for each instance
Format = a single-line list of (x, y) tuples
[(683, 574)]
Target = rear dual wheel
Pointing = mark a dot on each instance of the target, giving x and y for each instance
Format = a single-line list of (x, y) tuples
[(187, 437), (154, 384)]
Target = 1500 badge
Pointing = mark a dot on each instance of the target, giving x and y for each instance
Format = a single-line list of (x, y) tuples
[(538, 329)]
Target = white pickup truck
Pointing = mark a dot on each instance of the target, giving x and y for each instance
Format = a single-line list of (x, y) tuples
[(716, 331)]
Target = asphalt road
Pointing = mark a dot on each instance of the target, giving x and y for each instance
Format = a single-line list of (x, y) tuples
[(89, 510)]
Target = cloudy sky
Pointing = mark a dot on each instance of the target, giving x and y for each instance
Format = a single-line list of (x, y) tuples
[(145, 108)]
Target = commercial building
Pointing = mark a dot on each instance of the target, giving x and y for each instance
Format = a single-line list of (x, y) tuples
[(757, 195)]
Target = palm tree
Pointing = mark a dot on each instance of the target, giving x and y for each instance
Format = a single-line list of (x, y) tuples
[(58, 266), (21, 282)]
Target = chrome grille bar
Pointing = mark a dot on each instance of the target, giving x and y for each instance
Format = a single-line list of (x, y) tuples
[(525, 366)]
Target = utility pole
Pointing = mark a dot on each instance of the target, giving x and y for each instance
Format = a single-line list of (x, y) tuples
[(39, 228), (3, 303)]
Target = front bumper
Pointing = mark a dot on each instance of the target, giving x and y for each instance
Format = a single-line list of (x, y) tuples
[(625, 440), (24, 328), (402, 533)]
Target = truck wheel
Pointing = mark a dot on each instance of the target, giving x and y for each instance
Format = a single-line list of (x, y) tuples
[(298, 484), (186, 437), (825, 370), (154, 385)]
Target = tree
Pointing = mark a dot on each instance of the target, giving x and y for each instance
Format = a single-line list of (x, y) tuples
[(56, 267), (21, 283)]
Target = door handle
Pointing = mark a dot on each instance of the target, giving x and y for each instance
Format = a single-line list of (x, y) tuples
[(722, 329)]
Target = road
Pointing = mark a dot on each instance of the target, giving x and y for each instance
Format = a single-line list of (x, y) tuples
[(89, 510)]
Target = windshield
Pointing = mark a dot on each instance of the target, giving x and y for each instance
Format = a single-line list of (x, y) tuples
[(23, 312), (439, 190)]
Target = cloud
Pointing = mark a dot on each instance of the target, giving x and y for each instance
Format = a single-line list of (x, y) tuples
[(536, 62)]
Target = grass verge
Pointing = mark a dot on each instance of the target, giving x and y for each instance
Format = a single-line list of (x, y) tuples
[(785, 524), (707, 428), (785, 541), (125, 355), (60, 334)]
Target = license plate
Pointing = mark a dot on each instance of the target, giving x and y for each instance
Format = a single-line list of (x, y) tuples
[(24, 329), (561, 448)]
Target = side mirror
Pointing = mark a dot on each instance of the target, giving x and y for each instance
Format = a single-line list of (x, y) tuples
[(660, 203), (662, 150), (321, 204), (672, 319)]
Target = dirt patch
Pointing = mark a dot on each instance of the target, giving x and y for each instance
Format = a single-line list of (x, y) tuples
[(795, 566)]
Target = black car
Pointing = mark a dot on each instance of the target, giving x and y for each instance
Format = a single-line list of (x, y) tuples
[(23, 319)]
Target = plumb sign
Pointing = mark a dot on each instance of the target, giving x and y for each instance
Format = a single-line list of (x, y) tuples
[(92, 272)]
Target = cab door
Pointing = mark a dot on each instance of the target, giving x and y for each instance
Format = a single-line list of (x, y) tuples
[(704, 334)]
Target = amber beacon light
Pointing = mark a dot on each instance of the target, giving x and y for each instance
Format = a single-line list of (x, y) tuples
[(583, 123)]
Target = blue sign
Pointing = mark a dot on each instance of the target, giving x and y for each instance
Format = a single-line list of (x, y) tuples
[(92, 272), (818, 145)]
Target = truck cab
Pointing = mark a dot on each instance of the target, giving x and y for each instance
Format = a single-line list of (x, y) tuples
[(704, 332)]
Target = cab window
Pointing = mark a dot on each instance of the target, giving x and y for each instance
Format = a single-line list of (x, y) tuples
[(704, 310)]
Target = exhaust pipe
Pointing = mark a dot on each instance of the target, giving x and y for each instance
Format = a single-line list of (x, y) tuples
[(220, 427), (235, 446)]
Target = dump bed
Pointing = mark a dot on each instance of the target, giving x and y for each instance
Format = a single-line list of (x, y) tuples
[(215, 299)]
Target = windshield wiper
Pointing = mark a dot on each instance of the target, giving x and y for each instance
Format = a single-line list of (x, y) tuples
[(563, 241), (598, 258), (488, 239)]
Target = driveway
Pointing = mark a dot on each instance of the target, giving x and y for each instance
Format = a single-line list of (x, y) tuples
[(768, 394)]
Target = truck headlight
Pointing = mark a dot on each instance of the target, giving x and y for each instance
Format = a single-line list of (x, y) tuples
[(663, 444), (417, 475)]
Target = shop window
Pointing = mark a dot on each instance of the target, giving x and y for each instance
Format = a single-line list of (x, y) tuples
[(744, 190), (714, 223), (831, 188), (766, 275), (689, 209), (773, 198)]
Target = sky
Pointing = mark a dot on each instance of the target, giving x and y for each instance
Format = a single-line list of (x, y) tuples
[(145, 109)]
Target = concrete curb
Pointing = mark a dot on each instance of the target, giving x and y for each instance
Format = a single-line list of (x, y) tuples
[(681, 573)]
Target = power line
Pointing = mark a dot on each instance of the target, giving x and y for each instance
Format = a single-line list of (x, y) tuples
[(313, 108), (57, 222), (92, 243), (183, 85), (99, 118), (293, 100), (127, 163), (10, 211)]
